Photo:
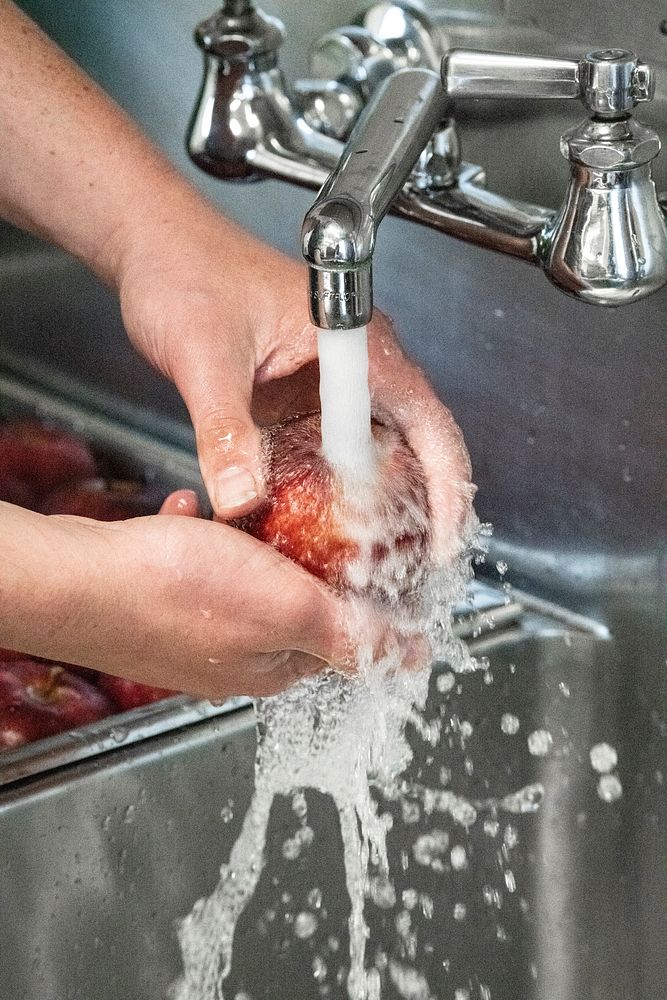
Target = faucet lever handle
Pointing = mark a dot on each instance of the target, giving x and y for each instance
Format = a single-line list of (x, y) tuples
[(610, 82)]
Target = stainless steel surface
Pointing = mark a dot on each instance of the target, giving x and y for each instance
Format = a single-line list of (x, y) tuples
[(339, 231), (505, 75), (245, 122), (562, 898), (610, 82)]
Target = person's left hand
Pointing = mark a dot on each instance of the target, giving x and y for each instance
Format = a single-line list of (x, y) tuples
[(225, 317)]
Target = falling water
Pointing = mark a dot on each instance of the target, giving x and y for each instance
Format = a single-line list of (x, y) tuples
[(345, 401), (343, 735)]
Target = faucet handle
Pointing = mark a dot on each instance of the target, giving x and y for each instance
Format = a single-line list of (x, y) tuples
[(239, 32), (610, 82)]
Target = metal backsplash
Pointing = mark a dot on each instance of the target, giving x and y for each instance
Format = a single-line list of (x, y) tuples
[(562, 404)]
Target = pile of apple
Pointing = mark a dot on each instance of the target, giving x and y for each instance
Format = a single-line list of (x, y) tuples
[(53, 472)]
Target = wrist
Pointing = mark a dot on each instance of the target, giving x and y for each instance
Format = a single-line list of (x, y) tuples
[(47, 579)]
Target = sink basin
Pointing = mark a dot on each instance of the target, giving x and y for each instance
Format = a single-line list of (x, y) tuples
[(559, 894)]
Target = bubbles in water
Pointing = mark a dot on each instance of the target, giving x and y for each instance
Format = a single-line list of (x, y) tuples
[(603, 758), (509, 724), (305, 925), (540, 742), (610, 788)]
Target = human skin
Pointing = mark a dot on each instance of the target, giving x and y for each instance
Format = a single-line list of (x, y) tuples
[(224, 317)]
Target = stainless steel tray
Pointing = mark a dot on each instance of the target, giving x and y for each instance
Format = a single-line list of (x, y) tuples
[(132, 450)]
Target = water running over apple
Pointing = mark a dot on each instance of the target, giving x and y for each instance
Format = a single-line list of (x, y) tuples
[(349, 502)]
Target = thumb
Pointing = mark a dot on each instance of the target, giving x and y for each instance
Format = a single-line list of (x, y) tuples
[(217, 389)]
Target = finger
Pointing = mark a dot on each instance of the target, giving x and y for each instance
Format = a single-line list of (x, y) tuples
[(401, 388), (216, 382), (182, 503)]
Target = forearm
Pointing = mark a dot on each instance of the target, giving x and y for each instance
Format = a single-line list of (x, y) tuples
[(74, 167), (46, 573)]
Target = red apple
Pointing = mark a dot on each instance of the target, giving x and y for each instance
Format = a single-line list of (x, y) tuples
[(370, 537), (130, 694), (35, 458), (41, 699), (103, 501)]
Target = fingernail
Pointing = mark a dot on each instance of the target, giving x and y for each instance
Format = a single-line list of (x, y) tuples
[(234, 487)]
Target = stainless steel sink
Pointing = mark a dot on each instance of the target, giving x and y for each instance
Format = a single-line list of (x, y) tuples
[(562, 901)]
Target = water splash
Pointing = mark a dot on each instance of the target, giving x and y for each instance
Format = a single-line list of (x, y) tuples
[(341, 735)]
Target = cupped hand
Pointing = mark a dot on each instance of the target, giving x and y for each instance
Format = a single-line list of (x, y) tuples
[(225, 317), (182, 603)]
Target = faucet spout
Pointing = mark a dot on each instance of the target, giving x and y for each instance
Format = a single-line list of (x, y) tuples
[(338, 235)]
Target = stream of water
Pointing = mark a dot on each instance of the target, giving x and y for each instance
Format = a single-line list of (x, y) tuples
[(342, 735)]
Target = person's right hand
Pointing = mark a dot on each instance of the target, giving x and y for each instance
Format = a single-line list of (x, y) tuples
[(175, 602)]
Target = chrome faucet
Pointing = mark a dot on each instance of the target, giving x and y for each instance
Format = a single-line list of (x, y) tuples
[(386, 89)]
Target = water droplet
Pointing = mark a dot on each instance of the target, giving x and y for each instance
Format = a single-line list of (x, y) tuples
[(410, 898), (118, 734), (460, 911), (445, 682), (429, 849), (511, 836), (610, 788), (564, 689), (227, 812), (502, 567), (319, 969), (305, 925), (540, 742), (206, 613), (129, 814), (315, 898), (603, 758), (491, 827), (510, 881), (458, 858), (509, 724), (526, 800)]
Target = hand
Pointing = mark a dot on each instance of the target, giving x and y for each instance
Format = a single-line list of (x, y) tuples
[(171, 601), (225, 317)]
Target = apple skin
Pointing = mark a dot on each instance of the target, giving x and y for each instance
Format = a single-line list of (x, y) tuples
[(35, 459), (42, 699), (373, 540), (116, 500), (130, 694)]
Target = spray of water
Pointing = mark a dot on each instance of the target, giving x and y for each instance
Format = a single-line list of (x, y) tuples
[(339, 734)]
